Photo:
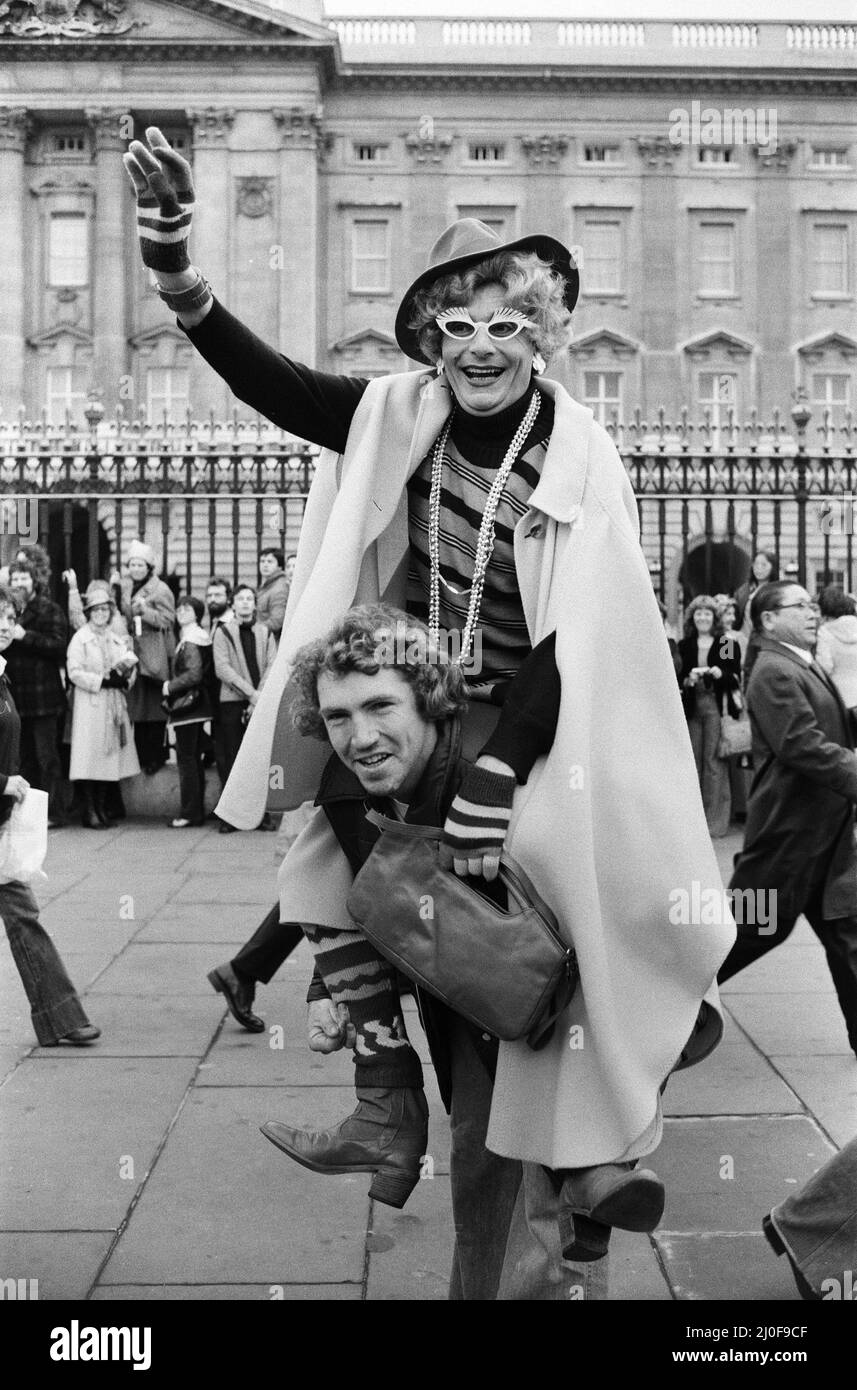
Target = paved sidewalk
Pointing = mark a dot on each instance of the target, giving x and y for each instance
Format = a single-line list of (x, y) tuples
[(135, 1169)]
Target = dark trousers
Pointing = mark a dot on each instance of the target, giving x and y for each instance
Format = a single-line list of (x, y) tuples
[(271, 943), (149, 740), (838, 937), (40, 758), (189, 751), (228, 733)]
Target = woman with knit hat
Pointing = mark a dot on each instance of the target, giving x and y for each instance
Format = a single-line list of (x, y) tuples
[(100, 666), (477, 495), (149, 609)]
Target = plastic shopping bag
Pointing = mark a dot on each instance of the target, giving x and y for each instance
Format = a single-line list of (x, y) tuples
[(24, 839)]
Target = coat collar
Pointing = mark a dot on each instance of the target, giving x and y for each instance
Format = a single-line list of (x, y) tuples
[(767, 644)]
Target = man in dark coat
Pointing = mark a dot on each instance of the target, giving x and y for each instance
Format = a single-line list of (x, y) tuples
[(33, 663), (800, 816)]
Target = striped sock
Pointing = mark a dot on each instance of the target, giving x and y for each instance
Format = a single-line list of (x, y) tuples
[(358, 976)]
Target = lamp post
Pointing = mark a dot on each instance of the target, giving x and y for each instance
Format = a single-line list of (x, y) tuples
[(801, 415)]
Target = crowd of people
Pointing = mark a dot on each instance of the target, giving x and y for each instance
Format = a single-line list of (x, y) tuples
[(141, 670)]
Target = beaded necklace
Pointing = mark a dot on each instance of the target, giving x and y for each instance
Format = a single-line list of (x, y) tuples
[(485, 541)]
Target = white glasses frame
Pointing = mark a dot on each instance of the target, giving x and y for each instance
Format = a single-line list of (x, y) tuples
[(503, 315)]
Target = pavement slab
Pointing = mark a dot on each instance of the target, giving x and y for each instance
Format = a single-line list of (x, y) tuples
[(410, 1252), (223, 1198), (242, 885), (828, 1087), (231, 1293), (151, 968), (727, 1268), (736, 1079), (64, 1263), (154, 1025), (788, 1024), (56, 1175)]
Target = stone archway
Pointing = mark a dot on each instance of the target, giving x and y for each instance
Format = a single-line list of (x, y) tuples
[(714, 567)]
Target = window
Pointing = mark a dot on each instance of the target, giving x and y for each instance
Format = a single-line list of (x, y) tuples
[(66, 395), (831, 391), (68, 142), (68, 249), (716, 154), (716, 259), (823, 158), (602, 154), (371, 154), (829, 260), (602, 392), (370, 255), (167, 394), (601, 272), (486, 152), (717, 393)]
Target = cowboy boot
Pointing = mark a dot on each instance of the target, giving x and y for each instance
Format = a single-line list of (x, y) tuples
[(613, 1194), (386, 1135)]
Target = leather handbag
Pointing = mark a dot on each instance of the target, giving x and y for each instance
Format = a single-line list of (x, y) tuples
[(183, 702), (507, 971), (735, 736)]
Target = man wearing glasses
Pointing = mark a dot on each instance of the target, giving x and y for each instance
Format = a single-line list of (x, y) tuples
[(800, 816)]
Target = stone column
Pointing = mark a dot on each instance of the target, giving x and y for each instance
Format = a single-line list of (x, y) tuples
[(14, 128), (777, 261), (302, 146), (659, 291), (111, 252), (210, 237)]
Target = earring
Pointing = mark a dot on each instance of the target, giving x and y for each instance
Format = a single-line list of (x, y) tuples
[(539, 363), (440, 366)]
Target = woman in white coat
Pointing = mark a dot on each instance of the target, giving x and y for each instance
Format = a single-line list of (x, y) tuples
[(100, 666)]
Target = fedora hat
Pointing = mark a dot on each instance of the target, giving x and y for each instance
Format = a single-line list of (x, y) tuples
[(97, 592), (465, 243)]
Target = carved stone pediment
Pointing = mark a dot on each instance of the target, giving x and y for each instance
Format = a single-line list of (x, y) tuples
[(365, 345), (828, 345), (718, 343), (604, 342), (67, 19)]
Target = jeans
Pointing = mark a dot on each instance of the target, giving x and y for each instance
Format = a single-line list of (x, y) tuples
[(713, 772), (40, 759), (55, 1007), (507, 1244), (228, 734), (191, 771), (819, 1225)]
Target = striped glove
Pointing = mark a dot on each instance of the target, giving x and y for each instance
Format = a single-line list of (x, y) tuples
[(163, 183), (477, 823)]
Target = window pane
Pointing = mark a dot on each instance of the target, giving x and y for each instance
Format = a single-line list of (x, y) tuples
[(602, 256), (370, 259), (68, 249), (830, 251), (167, 393), (602, 392), (66, 394), (716, 267)]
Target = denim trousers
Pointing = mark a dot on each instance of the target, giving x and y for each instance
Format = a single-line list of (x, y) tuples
[(713, 772), (54, 1005), (819, 1226), (507, 1244)]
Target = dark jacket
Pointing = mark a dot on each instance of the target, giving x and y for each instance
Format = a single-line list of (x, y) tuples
[(34, 663), (800, 814), (10, 741), (723, 652), (192, 670), (345, 804)]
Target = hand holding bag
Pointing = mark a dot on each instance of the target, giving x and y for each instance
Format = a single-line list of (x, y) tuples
[(509, 972), (24, 839)]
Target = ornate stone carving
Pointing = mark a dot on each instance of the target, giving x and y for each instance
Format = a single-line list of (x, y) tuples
[(69, 19), (544, 149), (108, 126), (778, 157), (255, 196), (657, 149), (67, 307), (15, 126), (299, 127), (428, 148), (210, 125)]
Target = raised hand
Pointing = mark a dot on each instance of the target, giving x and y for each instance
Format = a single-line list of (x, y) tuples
[(163, 183)]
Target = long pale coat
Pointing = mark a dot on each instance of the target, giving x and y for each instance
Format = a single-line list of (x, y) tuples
[(609, 826), (97, 753)]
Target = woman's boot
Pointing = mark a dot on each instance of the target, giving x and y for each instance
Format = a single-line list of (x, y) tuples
[(99, 801), (386, 1135), (89, 818)]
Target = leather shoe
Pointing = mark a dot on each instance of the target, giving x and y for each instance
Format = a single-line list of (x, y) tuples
[(238, 996), (613, 1194), (779, 1247), (81, 1037)]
